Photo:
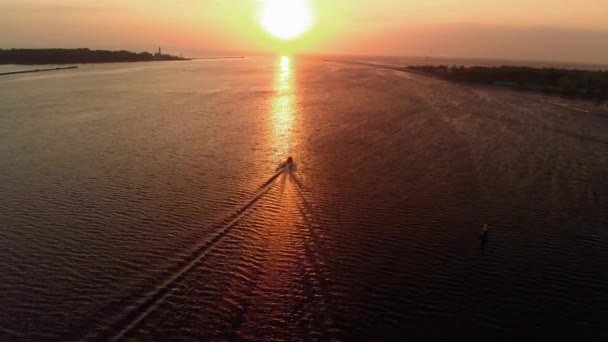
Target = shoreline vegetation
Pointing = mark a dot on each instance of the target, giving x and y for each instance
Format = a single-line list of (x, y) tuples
[(573, 83), (79, 56), (591, 85)]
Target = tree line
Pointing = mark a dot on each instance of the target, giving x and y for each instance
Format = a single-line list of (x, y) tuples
[(582, 83), (73, 56)]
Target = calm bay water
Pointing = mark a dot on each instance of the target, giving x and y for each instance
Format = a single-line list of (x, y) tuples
[(141, 200)]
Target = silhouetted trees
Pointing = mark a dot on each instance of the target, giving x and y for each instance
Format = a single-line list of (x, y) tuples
[(583, 83), (71, 56)]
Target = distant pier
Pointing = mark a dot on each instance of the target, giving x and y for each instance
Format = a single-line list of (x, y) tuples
[(36, 70)]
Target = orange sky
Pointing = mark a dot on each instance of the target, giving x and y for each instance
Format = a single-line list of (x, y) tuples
[(529, 29)]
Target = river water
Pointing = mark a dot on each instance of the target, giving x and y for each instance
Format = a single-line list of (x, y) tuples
[(142, 200)]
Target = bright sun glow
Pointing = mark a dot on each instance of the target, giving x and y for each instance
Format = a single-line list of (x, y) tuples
[(286, 19)]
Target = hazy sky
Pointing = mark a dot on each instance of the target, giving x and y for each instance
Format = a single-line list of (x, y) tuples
[(529, 29)]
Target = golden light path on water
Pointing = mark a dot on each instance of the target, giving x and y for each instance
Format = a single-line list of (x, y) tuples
[(283, 108), (283, 120)]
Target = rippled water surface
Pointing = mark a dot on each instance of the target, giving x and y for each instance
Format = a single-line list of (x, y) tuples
[(142, 201)]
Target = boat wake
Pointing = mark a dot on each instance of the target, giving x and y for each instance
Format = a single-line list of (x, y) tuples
[(131, 318)]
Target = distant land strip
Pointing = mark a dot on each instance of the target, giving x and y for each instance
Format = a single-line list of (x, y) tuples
[(586, 84), (79, 56), (590, 85), (35, 70)]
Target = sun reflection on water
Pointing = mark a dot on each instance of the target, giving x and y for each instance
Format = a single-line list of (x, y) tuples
[(283, 108)]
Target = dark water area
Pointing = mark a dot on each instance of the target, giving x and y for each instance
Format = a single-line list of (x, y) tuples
[(142, 201)]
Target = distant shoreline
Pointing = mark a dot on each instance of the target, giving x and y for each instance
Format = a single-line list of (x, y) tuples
[(591, 85), (79, 56), (585, 84)]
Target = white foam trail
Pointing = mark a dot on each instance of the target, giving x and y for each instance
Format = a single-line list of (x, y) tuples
[(166, 288)]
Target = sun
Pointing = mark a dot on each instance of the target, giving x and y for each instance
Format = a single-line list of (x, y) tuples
[(286, 19)]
